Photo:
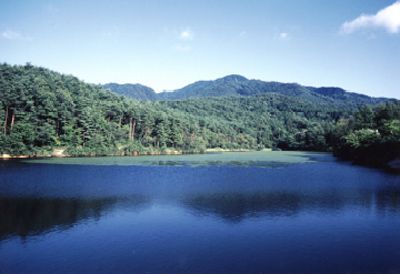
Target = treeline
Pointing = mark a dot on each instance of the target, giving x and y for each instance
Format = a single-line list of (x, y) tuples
[(371, 136), (266, 121), (41, 110)]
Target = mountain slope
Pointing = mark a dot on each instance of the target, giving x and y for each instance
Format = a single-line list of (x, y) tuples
[(136, 91), (236, 85), (41, 110)]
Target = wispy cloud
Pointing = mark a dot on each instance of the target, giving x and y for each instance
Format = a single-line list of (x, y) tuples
[(184, 39), (387, 18), (186, 35), (283, 35), (11, 35)]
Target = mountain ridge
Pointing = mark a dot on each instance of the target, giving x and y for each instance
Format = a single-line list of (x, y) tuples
[(43, 112), (136, 91), (238, 85)]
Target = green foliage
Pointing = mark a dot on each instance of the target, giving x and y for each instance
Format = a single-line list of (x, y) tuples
[(362, 138), (41, 110), (236, 85), (391, 130), (372, 136), (134, 91), (266, 121)]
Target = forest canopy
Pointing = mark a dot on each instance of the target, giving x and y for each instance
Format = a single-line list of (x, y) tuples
[(41, 110)]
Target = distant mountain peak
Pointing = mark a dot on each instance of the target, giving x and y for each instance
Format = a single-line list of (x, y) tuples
[(238, 85), (233, 78), (137, 91)]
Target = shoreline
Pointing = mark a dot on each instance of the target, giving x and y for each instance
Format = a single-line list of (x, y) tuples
[(59, 153), (392, 166)]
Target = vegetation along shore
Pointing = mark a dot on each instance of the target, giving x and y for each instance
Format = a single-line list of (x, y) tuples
[(45, 113)]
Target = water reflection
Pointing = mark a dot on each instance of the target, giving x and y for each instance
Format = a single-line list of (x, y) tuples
[(320, 217), (25, 217), (239, 206), (387, 200), (36, 198)]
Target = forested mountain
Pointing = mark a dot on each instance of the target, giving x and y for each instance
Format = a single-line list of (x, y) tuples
[(271, 120), (135, 91), (236, 85), (41, 110)]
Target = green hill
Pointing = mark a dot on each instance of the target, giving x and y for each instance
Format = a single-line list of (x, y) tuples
[(236, 85), (42, 110), (135, 91)]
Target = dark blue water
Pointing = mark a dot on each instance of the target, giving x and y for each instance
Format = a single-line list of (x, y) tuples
[(322, 217)]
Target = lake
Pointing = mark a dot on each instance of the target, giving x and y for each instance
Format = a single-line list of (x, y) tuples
[(249, 212)]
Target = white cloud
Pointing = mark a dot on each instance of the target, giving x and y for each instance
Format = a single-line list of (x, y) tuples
[(283, 35), (11, 35), (186, 35), (387, 18), (14, 36)]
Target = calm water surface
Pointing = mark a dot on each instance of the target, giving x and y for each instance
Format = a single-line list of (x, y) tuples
[(256, 212)]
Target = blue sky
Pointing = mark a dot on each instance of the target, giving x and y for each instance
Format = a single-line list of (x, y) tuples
[(167, 44)]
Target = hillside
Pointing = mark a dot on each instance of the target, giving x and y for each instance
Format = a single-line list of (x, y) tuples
[(236, 85), (135, 91), (42, 110)]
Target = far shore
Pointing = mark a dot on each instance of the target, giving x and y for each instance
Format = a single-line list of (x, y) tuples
[(60, 153)]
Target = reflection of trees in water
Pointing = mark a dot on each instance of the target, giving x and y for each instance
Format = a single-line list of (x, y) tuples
[(32, 216), (388, 200), (238, 206)]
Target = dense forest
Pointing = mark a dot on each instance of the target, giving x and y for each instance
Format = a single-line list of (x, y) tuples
[(134, 91), (371, 136), (42, 110)]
